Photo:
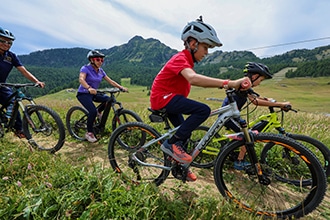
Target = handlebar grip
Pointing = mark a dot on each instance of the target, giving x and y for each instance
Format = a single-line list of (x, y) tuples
[(246, 84), (287, 108)]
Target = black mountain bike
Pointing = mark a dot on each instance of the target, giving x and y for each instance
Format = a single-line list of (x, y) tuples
[(42, 127), (76, 117)]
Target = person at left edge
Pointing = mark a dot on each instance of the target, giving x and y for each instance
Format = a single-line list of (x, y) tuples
[(8, 60)]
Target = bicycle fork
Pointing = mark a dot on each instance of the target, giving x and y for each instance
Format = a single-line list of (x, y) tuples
[(249, 146)]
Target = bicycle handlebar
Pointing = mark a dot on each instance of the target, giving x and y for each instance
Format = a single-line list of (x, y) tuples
[(110, 90), (286, 108), (20, 85)]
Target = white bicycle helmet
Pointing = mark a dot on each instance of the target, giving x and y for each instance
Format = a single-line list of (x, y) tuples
[(7, 34), (202, 32)]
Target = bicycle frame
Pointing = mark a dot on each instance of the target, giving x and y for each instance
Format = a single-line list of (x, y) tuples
[(110, 104), (226, 112), (18, 97), (272, 123), (272, 119)]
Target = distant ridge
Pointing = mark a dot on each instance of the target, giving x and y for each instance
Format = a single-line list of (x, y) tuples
[(141, 59)]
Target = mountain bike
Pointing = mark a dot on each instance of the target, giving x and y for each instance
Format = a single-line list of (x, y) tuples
[(76, 117), (265, 123), (134, 153), (42, 127)]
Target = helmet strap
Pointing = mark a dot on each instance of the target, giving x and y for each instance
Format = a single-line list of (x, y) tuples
[(250, 77), (93, 64), (192, 51)]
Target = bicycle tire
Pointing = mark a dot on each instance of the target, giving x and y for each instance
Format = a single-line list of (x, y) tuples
[(48, 133), (321, 151), (278, 199), (132, 136), (76, 122), (123, 116), (203, 159), (323, 157)]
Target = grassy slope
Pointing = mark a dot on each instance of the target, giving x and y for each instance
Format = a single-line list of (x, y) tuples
[(308, 95), (305, 94)]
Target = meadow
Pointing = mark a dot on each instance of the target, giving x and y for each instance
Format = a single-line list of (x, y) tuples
[(77, 183)]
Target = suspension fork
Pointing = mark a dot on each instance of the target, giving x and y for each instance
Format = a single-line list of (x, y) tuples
[(25, 110), (249, 146)]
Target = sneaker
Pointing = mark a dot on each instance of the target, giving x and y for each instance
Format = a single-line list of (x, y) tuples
[(176, 151), (191, 177), (241, 164), (20, 134), (90, 137)]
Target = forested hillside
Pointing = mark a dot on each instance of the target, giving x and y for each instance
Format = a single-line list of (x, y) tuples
[(141, 59)]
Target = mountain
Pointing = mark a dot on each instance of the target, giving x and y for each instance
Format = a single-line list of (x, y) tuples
[(139, 51), (149, 52), (140, 59)]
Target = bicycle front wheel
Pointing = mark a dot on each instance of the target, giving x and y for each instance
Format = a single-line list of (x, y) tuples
[(131, 160), (123, 116), (271, 196), (76, 122), (44, 128)]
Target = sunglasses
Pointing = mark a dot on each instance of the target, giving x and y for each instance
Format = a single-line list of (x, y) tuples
[(98, 59), (9, 42)]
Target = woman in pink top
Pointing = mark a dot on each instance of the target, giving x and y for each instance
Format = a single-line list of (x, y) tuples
[(171, 88)]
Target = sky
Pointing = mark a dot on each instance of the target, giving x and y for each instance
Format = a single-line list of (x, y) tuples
[(264, 27)]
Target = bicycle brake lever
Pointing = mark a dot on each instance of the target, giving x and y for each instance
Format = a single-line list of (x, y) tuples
[(288, 108)]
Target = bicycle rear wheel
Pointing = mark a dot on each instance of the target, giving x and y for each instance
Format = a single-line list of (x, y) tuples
[(44, 128), (133, 136), (321, 151), (76, 122), (272, 197)]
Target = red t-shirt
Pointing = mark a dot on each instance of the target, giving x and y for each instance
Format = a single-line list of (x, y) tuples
[(169, 81)]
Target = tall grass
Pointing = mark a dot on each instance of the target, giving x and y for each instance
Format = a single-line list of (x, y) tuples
[(72, 184), (38, 185)]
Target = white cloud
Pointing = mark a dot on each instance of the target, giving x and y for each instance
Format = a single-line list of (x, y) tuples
[(240, 24)]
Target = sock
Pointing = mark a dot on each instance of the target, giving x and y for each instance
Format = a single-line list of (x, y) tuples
[(173, 139)]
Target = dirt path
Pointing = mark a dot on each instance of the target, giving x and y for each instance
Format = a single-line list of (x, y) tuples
[(90, 153)]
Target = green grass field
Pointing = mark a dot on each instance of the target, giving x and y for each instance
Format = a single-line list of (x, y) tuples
[(77, 183), (305, 94)]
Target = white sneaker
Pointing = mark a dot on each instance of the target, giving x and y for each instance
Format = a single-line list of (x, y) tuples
[(90, 137)]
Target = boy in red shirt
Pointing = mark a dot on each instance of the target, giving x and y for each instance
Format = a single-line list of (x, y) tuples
[(172, 84)]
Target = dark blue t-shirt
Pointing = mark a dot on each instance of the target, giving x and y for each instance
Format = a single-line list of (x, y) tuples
[(7, 62), (240, 98)]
